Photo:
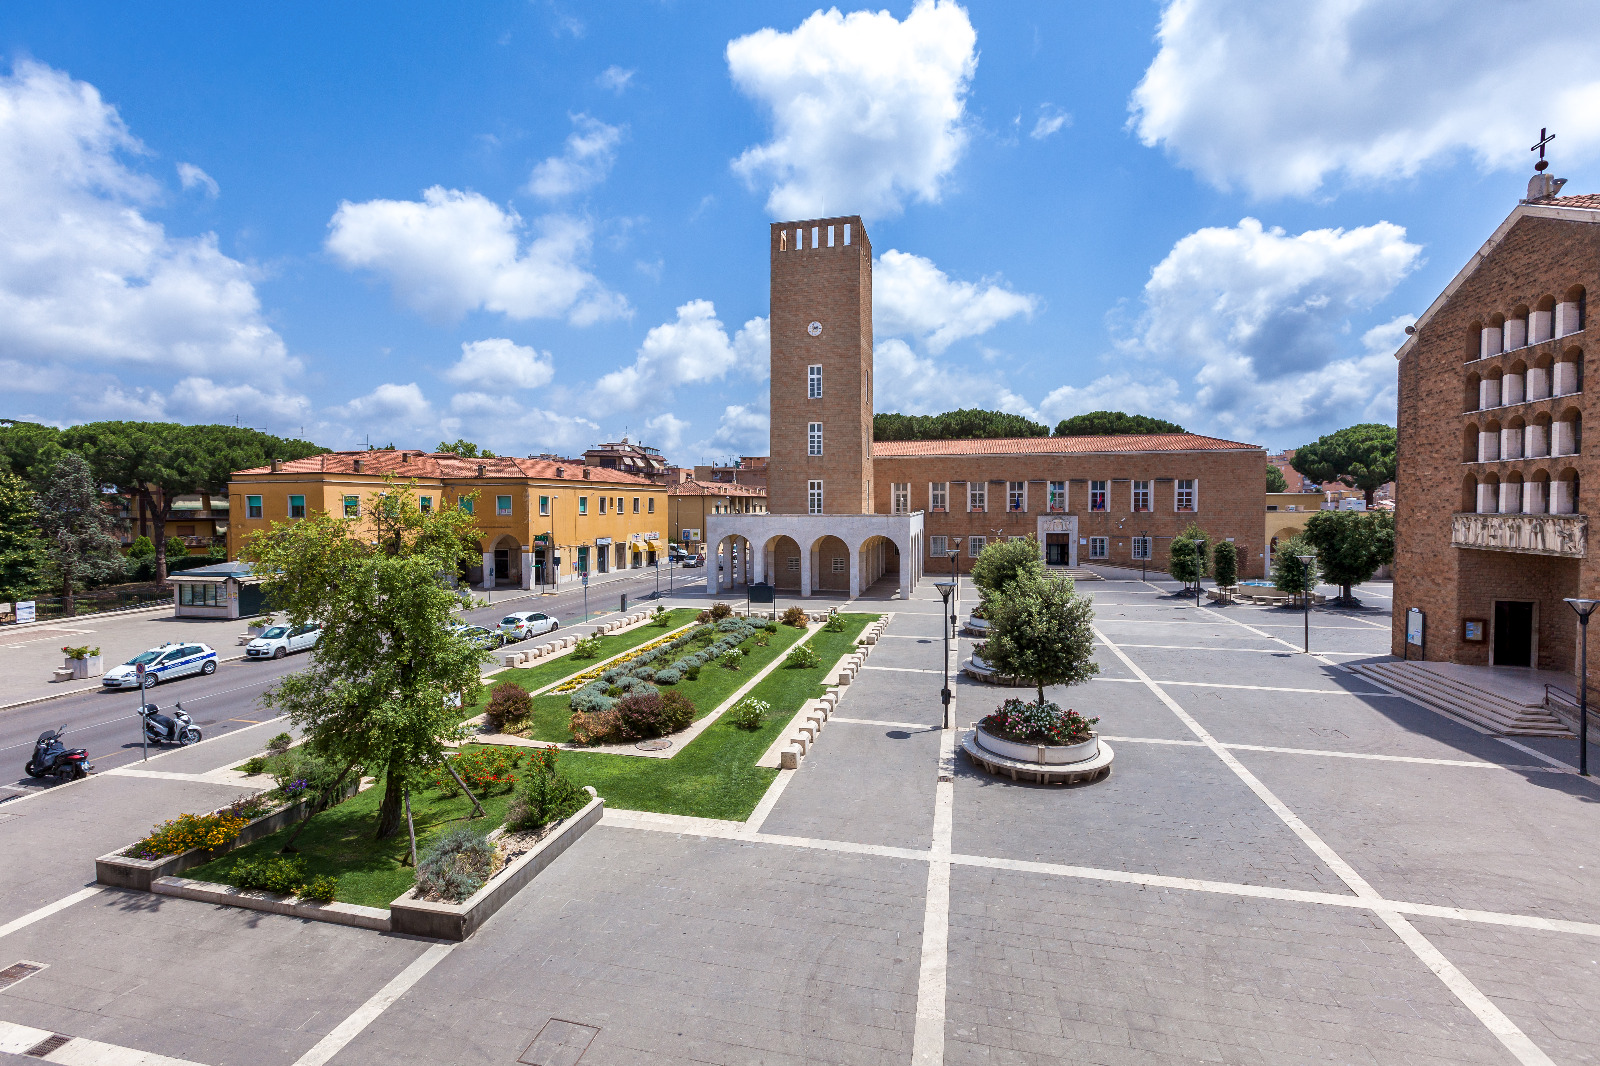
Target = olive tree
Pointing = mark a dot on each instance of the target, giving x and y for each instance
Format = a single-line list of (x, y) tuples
[(1042, 630), (378, 693)]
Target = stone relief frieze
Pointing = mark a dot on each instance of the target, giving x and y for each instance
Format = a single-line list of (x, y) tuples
[(1536, 534)]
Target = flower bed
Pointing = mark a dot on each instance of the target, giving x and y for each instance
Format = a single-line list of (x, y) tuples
[(1033, 723)]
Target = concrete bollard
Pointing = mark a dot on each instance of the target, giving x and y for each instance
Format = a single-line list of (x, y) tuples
[(789, 759)]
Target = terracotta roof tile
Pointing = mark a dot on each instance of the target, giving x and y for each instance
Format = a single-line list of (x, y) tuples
[(446, 465), (1123, 443), (1589, 200), (714, 488)]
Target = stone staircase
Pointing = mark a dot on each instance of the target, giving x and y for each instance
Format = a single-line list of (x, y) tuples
[(1509, 712), (1076, 573)]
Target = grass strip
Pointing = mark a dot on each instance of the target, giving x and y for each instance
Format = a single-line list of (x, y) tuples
[(716, 776), (553, 711), (564, 665)]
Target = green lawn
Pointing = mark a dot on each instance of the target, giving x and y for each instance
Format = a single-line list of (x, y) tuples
[(553, 710), (716, 775), (534, 678), (339, 842)]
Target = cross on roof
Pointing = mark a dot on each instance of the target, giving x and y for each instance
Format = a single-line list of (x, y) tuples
[(1545, 137)]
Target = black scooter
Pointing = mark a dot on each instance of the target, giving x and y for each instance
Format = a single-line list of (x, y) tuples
[(161, 729), (51, 757)]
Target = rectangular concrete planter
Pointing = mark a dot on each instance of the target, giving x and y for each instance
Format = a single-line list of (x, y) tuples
[(228, 896), (93, 666), (457, 921)]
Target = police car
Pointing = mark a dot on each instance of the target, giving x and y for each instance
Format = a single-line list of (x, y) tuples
[(174, 659)]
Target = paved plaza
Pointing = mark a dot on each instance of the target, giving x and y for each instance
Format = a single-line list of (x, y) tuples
[(1288, 864)]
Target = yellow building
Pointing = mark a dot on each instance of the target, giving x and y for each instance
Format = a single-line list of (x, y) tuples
[(691, 501), (1287, 515), (543, 522)]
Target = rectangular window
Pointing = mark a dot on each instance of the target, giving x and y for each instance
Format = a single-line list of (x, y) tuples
[(1098, 547), (814, 381), (425, 504), (936, 548), (1188, 494), (636, 505), (466, 505), (352, 506), (1016, 495), (975, 546), (1097, 495), (544, 506), (583, 505), (814, 438), (1141, 495), (841, 565), (650, 504), (938, 495), (813, 497), (502, 505), (794, 563), (297, 506), (619, 504), (977, 496), (1141, 547), (603, 501), (252, 506), (583, 557), (900, 498), (1058, 495)]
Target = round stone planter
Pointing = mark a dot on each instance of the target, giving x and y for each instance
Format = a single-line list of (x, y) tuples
[(1053, 754), (1030, 768), (978, 627), (979, 670)]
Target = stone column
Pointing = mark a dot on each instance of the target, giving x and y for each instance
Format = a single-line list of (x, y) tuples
[(527, 568), (1510, 497), (1538, 384), (1486, 498), (1539, 323), (1534, 444), (805, 572), (1511, 389), (758, 562), (1511, 443), (1566, 319), (712, 552), (855, 572), (1488, 393), (1516, 333), (908, 569), (1490, 342), (488, 570), (1533, 497)]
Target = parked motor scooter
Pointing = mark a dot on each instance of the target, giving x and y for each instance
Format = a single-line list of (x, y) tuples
[(163, 729), (51, 757)]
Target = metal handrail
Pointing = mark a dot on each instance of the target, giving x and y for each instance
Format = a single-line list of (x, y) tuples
[(1555, 693)]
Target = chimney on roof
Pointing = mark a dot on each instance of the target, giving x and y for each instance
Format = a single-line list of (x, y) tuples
[(405, 457), (586, 473), (360, 466), (561, 471), (481, 469), (277, 466)]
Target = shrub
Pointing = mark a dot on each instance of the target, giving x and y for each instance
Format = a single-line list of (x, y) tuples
[(703, 616), (280, 875), (299, 774), (79, 651), (835, 623), (661, 619), (732, 661), (795, 617), (677, 711), (801, 657), (509, 707), (255, 764), (771, 627), (587, 647), (142, 548), (719, 611), (692, 673), (280, 744), (1225, 561), (591, 700), (483, 769), (1038, 723), (749, 713), (595, 727), (189, 831), (669, 676), (544, 795), (455, 866), (320, 888)]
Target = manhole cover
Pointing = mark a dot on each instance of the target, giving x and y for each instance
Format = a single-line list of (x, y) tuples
[(559, 1043), (653, 745), (17, 971), (47, 1045)]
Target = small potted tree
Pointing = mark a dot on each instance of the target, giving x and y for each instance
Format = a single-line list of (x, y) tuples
[(1225, 562), (1040, 631), (83, 661), (999, 566)]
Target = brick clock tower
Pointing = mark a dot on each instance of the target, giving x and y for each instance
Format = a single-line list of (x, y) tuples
[(821, 324)]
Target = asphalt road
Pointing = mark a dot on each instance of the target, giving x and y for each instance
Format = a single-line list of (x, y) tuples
[(107, 723)]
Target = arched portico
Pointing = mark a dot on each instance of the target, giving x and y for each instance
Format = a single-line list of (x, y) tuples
[(861, 541), (506, 562)]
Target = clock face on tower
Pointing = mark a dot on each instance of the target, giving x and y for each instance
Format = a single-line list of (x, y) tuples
[(815, 329)]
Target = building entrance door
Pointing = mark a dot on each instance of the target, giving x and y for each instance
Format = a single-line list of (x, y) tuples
[(1057, 549), (1513, 633), (502, 565)]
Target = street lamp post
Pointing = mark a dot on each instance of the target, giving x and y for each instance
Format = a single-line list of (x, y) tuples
[(1305, 595), (945, 589), (1144, 559), (1584, 608)]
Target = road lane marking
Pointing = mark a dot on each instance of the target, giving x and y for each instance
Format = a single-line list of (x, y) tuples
[(368, 1012), (50, 908)]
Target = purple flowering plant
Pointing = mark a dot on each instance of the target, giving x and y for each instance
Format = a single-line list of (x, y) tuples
[(1038, 723)]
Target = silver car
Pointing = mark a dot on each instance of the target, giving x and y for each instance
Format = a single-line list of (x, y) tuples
[(520, 625)]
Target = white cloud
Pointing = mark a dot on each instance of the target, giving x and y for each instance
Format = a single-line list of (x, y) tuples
[(913, 297), (667, 431), (1261, 320), (515, 428), (691, 349), (499, 364), (1280, 97), (402, 407), (455, 252), (1051, 120), (193, 177), (590, 151), (85, 278), (1145, 394), (614, 78), (866, 110), (743, 429), (205, 400), (912, 384)]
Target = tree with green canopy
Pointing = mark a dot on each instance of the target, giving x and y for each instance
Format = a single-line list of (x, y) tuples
[(1276, 482), (1351, 546), (466, 449), (27, 448), (1225, 561), (22, 557), (1360, 457), (77, 528), (1113, 423), (1289, 574), (157, 462), (1042, 630), (1183, 562), (379, 692), (1002, 562), (965, 424), (1200, 540)]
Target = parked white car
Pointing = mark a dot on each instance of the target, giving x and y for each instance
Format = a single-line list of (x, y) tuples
[(521, 625), (277, 641), (171, 660)]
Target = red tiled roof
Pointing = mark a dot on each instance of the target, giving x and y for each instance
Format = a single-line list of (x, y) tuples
[(446, 465), (1121, 443), (714, 488), (1588, 199)]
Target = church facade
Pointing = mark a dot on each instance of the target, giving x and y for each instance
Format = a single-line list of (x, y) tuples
[(846, 512)]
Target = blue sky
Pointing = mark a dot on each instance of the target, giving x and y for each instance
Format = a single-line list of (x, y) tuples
[(540, 225)]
